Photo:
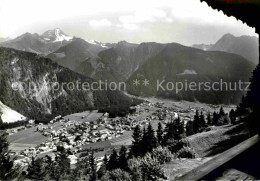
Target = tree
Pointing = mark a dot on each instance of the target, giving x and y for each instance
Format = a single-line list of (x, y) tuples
[(238, 111), (221, 112), (215, 118), (232, 116), (244, 106), (1, 121), (202, 122), (122, 160), (117, 174), (209, 119), (252, 99), (178, 127), (196, 122), (105, 160), (36, 169), (162, 154), (50, 168), (146, 168), (250, 104), (160, 133), (103, 169), (144, 143), (7, 169), (82, 170), (151, 141), (62, 166), (137, 138), (173, 130), (151, 168), (93, 167), (189, 128), (113, 161)]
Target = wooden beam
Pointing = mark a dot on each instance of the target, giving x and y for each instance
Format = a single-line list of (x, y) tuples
[(204, 169)]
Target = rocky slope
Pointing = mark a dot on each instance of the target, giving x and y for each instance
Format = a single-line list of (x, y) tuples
[(119, 62), (37, 87)]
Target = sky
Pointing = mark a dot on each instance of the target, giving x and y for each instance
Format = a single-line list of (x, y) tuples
[(184, 21)]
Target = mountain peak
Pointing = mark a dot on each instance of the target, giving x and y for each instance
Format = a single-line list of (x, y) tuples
[(125, 43), (228, 35), (26, 35), (225, 40), (122, 42), (56, 35)]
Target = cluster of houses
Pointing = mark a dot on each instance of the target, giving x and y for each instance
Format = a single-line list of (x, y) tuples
[(72, 135)]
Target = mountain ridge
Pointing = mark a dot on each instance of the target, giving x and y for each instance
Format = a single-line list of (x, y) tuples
[(37, 43), (178, 63), (246, 46)]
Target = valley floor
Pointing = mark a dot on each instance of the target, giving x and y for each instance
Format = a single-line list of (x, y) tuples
[(205, 145)]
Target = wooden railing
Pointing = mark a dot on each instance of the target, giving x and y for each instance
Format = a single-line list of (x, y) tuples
[(200, 172)]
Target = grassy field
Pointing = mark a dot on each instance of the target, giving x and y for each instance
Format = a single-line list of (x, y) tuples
[(125, 139), (17, 147), (28, 136), (217, 140), (25, 139), (184, 105), (101, 144), (88, 116)]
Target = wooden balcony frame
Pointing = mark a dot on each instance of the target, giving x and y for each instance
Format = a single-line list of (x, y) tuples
[(203, 170)]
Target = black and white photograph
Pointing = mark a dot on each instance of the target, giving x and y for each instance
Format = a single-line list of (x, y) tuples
[(129, 90)]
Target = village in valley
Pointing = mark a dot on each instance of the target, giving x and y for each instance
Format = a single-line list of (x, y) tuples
[(91, 130)]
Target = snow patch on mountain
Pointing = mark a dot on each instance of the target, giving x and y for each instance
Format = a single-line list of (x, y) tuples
[(188, 72), (9, 115), (14, 61), (60, 55), (94, 42), (91, 42), (104, 46), (61, 36), (55, 35)]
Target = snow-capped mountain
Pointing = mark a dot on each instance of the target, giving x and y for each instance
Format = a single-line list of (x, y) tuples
[(94, 42), (44, 44), (56, 35), (48, 42)]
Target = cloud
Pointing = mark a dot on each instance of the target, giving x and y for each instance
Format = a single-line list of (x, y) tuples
[(132, 21), (128, 26), (128, 16), (140, 16), (100, 23), (193, 10), (169, 20)]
